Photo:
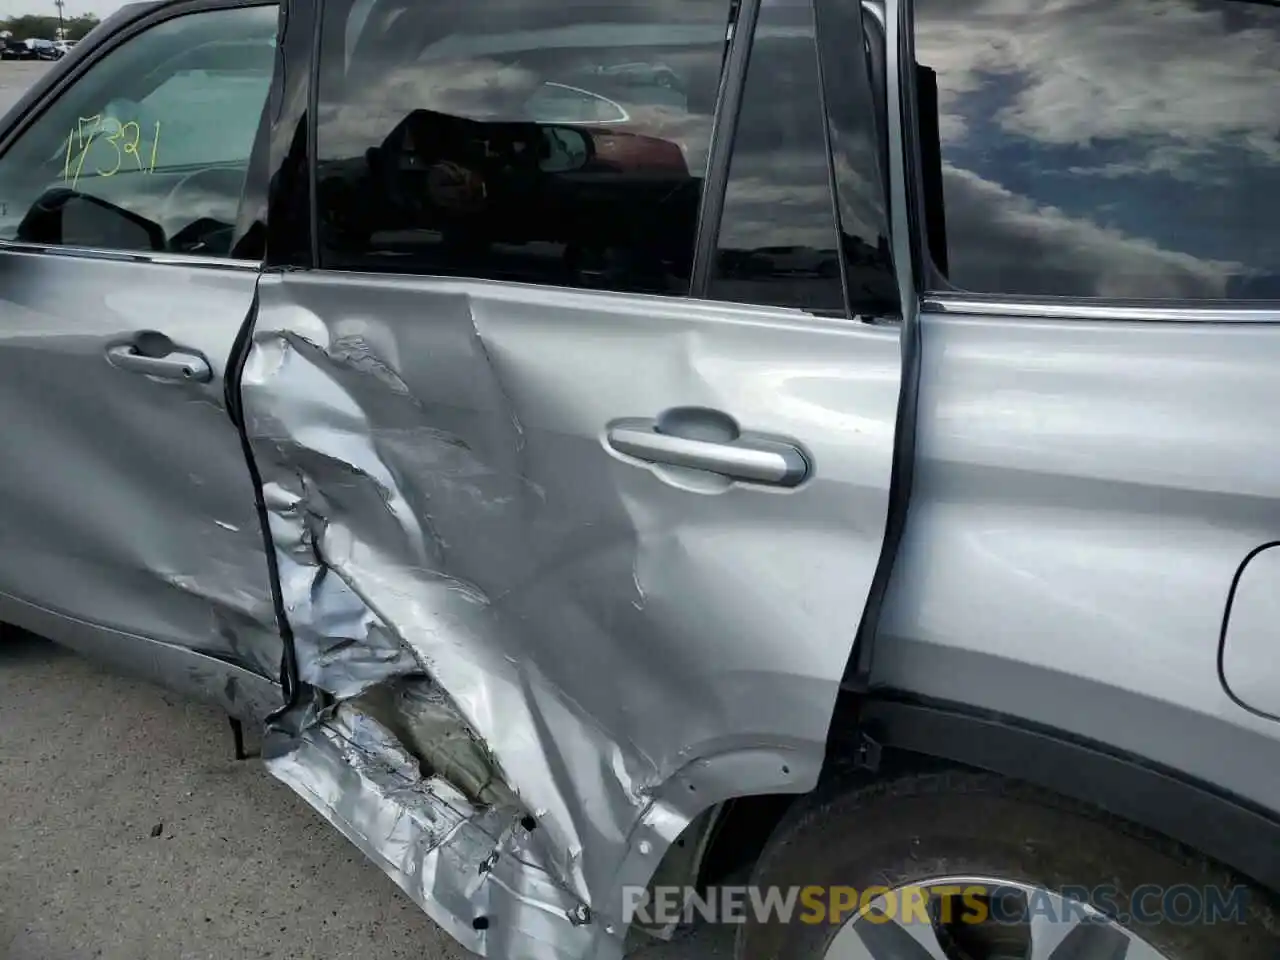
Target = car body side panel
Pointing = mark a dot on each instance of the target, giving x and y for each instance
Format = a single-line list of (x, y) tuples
[(1085, 491), (244, 694), (128, 508), (631, 644)]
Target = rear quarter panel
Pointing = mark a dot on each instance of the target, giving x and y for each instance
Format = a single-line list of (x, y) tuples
[(1085, 492)]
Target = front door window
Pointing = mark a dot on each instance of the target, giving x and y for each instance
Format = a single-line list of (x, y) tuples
[(149, 149)]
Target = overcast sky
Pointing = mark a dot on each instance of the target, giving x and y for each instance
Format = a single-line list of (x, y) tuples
[(74, 8)]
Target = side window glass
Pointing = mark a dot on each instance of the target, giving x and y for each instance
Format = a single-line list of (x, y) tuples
[(148, 150), (529, 140), (778, 241), (1128, 149)]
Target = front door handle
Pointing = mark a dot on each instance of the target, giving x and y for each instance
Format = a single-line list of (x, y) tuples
[(708, 440), (156, 356)]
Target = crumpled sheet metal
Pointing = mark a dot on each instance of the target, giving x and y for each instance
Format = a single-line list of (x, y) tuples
[(462, 864), (324, 474), (341, 645), (423, 719), (433, 472)]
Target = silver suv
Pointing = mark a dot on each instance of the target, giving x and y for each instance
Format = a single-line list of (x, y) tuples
[(619, 448)]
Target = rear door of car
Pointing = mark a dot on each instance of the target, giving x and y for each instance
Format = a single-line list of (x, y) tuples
[(588, 418), (128, 523)]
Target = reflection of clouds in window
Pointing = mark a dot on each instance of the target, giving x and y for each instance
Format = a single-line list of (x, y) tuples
[(1080, 70), (1179, 161), (203, 117), (478, 89), (493, 90), (1152, 124), (1021, 239), (861, 216), (778, 241), (779, 186), (356, 21), (791, 207)]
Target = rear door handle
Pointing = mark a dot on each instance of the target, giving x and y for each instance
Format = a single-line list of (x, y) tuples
[(166, 363), (746, 458)]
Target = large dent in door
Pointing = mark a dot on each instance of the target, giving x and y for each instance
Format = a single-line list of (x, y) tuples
[(363, 475)]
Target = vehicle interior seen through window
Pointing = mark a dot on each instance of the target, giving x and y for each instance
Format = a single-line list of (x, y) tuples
[(149, 150)]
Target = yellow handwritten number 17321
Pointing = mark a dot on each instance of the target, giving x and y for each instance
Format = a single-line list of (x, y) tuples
[(126, 142)]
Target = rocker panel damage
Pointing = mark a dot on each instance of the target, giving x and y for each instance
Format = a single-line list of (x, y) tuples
[(537, 663)]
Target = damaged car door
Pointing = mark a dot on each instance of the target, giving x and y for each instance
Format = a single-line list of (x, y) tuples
[(577, 439), (129, 527)]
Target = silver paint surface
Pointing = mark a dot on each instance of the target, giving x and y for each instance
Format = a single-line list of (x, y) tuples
[(129, 529), (1085, 491), (1089, 477), (1251, 640), (632, 643)]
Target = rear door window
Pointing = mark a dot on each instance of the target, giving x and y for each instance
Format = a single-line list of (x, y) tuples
[(526, 140)]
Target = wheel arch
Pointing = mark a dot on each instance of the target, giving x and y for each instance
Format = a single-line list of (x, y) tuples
[(888, 733), (1238, 834)]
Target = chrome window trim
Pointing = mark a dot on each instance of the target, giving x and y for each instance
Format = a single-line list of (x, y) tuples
[(131, 256), (1154, 312)]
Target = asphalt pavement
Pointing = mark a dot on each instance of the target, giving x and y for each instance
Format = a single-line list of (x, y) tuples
[(15, 77), (129, 832)]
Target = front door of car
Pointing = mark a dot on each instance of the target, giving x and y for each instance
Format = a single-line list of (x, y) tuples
[(127, 519), (616, 483)]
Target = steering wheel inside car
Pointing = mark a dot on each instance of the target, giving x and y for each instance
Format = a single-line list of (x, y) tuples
[(199, 213)]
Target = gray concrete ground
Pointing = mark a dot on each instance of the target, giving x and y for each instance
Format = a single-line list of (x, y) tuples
[(15, 77), (128, 832)]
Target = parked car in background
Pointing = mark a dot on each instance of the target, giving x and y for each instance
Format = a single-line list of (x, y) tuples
[(11, 49), (64, 46), (633, 443), (32, 49)]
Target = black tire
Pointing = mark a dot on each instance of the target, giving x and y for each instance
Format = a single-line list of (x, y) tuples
[(966, 824)]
